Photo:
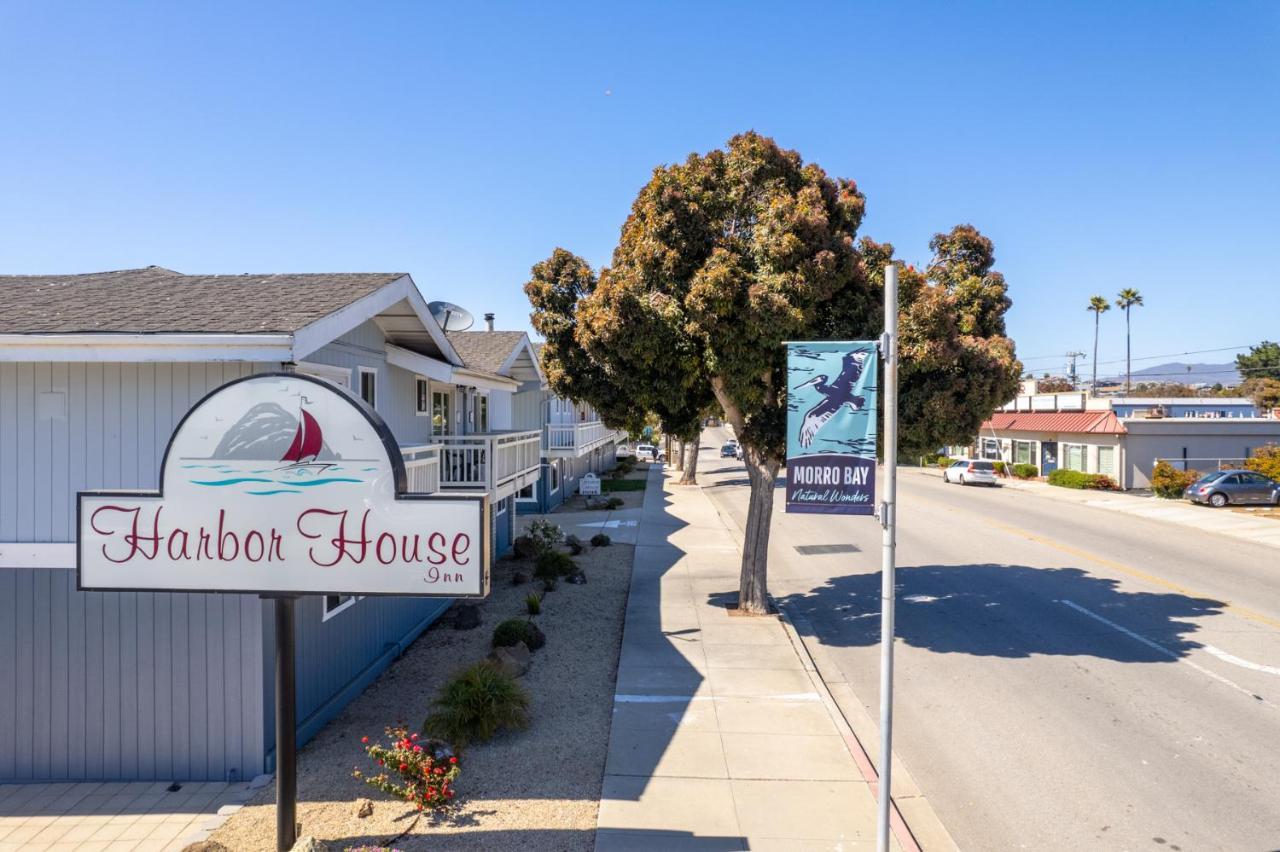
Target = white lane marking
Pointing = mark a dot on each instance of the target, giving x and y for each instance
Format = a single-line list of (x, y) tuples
[(1170, 654), (1236, 661)]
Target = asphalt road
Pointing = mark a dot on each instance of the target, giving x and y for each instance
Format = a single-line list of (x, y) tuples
[(1066, 678)]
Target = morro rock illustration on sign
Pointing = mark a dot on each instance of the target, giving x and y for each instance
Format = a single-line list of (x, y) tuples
[(269, 450), (267, 431)]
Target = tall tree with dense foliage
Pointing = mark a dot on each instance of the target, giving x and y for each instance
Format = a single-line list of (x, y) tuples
[(1125, 300), (623, 395), (1099, 305), (1262, 362), (728, 254)]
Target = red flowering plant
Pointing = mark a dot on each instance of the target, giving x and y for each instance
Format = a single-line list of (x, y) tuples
[(419, 771)]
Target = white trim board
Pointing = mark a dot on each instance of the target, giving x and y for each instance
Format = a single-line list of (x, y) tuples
[(146, 347), (37, 554)]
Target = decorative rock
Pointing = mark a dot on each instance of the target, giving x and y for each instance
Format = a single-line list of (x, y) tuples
[(573, 543), (309, 844), (513, 659), (578, 578), (364, 808), (519, 578), (467, 617), (534, 637)]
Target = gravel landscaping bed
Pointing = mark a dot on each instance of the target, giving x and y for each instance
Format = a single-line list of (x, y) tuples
[(533, 789)]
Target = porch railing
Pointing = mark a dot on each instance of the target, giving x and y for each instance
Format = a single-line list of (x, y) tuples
[(578, 436), (422, 464), (488, 461)]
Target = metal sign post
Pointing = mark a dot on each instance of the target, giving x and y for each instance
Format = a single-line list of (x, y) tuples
[(888, 521), (286, 728)]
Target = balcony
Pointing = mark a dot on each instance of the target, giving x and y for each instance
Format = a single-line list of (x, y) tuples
[(500, 463), (571, 440)]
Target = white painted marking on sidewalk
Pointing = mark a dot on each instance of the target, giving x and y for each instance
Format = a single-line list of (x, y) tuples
[(611, 525), (622, 698), (1168, 653), (1236, 661)]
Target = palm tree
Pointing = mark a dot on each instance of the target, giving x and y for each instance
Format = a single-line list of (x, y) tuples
[(1099, 305), (1126, 299)]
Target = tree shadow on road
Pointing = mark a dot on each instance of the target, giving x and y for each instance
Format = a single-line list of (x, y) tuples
[(1006, 611)]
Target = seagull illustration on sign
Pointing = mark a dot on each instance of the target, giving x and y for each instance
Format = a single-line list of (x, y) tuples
[(834, 395)]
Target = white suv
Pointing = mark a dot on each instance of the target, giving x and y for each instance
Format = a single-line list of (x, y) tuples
[(966, 471)]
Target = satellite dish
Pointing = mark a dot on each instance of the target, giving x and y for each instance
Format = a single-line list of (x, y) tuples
[(451, 317)]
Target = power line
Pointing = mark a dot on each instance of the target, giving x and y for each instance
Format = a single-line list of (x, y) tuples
[(1146, 357)]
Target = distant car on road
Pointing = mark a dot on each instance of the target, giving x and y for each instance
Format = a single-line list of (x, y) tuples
[(625, 452), (967, 471), (1241, 487), (729, 450)]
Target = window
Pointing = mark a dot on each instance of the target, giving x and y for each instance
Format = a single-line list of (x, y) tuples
[(482, 413), (1024, 452), (525, 495), (1107, 460), (440, 413), (990, 448), (553, 472), (369, 386), (334, 604), (1074, 457), (423, 403)]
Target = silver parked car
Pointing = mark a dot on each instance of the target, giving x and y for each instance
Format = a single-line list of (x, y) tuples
[(966, 471), (1241, 487)]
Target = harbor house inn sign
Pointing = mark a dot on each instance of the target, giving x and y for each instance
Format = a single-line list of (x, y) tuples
[(281, 483)]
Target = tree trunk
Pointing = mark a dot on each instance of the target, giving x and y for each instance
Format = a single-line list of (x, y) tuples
[(679, 459), (1128, 361), (753, 587), (690, 463)]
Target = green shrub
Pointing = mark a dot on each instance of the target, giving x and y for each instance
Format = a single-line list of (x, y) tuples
[(524, 547), (1026, 471), (515, 630), (1169, 482), (1076, 479), (1266, 461), (533, 603), (614, 503), (553, 565), (601, 540), (574, 544), (545, 536), (1001, 467), (476, 703)]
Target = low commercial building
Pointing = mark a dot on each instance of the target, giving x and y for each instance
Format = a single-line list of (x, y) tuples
[(1123, 437), (95, 373)]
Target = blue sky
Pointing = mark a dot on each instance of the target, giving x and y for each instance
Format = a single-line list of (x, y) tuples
[(1100, 145)]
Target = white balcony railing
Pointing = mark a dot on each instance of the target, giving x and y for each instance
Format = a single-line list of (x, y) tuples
[(496, 462), (422, 464), (577, 438)]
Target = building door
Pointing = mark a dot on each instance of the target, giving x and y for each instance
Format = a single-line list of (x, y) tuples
[(1048, 457)]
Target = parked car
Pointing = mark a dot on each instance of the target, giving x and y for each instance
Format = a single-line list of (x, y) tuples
[(625, 452), (966, 471), (1241, 487), (729, 450), (650, 452)]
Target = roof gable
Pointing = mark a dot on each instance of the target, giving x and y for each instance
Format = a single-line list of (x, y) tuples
[(504, 353)]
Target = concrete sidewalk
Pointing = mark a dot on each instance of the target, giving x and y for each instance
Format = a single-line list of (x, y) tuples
[(1222, 521), (723, 737)]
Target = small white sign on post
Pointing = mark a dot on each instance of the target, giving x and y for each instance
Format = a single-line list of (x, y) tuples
[(589, 486), (283, 483)]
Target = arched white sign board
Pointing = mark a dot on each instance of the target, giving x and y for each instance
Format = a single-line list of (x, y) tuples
[(282, 483)]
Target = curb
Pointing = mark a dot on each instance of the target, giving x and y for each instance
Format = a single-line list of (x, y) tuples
[(924, 819)]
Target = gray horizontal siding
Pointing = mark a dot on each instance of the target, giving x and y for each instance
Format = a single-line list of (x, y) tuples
[(123, 685)]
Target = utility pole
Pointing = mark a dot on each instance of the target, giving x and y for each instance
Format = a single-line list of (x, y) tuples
[(1072, 375)]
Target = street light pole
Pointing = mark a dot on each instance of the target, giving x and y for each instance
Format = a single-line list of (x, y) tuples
[(888, 521)]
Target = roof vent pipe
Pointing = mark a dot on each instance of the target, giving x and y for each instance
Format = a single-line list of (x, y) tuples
[(488, 321)]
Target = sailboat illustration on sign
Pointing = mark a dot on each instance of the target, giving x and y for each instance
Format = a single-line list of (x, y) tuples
[(307, 443)]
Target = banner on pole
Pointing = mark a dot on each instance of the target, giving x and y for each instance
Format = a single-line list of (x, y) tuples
[(831, 427)]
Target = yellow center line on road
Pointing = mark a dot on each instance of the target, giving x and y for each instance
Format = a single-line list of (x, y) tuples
[(1137, 574)]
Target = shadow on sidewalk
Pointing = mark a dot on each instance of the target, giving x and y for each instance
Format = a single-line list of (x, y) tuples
[(1008, 611)]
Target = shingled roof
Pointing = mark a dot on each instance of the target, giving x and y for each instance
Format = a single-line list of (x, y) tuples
[(485, 350), (155, 300)]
